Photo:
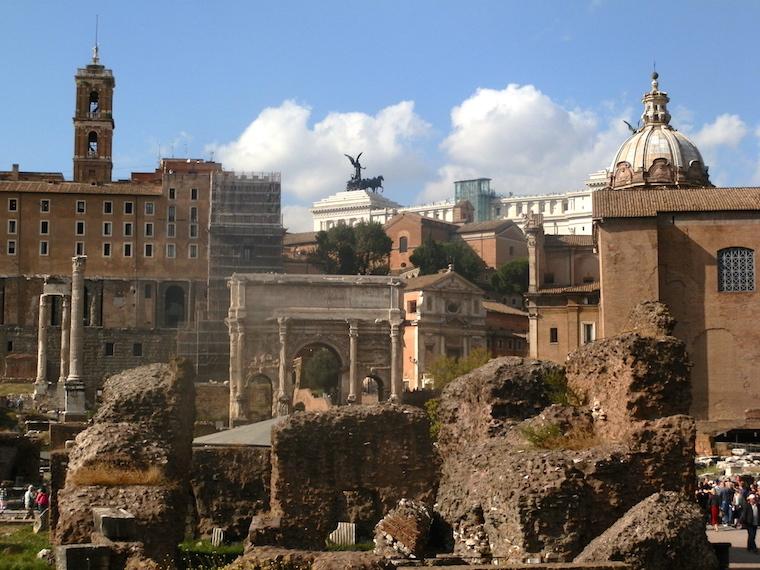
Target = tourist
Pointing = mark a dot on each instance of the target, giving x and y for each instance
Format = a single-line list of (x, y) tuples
[(29, 501), (751, 518), (3, 498), (714, 504), (726, 501), (739, 505), (41, 500)]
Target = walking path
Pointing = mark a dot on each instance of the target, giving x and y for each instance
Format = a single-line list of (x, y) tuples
[(740, 558)]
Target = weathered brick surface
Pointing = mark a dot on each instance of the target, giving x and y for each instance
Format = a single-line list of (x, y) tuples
[(351, 464)]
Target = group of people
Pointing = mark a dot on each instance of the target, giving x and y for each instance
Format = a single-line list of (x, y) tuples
[(35, 499), (732, 503)]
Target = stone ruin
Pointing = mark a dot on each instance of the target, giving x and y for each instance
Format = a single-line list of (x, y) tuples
[(536, 463), (127, 482)]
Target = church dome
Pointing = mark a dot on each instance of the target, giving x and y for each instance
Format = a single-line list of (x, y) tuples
[(656, 154)]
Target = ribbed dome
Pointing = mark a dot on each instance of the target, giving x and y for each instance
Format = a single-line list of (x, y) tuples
[(657, 154)]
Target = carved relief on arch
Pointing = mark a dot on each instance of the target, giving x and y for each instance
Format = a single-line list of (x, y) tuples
[(623, 174), (661, 172)]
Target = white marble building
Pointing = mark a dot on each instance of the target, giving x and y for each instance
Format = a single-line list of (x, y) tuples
[(568, 213)]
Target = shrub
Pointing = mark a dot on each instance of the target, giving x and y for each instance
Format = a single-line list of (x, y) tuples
[(431, 408), (445, 369), (559, 391)]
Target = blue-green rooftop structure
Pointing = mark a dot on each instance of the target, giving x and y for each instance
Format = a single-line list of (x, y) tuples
[(477, 192)]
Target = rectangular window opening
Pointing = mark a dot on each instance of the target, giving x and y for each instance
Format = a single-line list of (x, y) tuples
[(553, 335), (137, 349), (108, 349)]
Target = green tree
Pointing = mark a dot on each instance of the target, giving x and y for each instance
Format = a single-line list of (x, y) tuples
[(511, 278), (432, 256), (445, 368), (362, 249), (321, 370)]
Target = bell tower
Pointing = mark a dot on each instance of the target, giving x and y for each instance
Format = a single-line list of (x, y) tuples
[(93, 122)]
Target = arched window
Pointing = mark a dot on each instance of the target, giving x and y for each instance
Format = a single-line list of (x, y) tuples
[(94, 102), (403, 244), (92, 144), (736, 269)]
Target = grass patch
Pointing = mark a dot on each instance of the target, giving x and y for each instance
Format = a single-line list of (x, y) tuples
[(358, 547), (14, 389), (550, 436), (202, 555), (19, 547), (111, 476), (431, 409)]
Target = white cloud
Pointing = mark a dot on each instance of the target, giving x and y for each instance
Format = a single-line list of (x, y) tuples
[(311, 157), (726, 130), (296, 218), (525, 141)]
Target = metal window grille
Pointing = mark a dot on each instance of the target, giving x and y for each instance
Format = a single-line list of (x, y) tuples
[(736, 269)]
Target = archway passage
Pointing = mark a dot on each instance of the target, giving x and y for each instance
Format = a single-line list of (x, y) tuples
[(320, 371), (260, 398), (372, 390), (174, 306)]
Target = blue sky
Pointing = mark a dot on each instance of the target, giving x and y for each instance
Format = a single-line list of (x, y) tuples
[(530, 93)]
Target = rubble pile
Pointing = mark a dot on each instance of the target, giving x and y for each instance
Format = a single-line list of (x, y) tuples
[(404, 532), (136, 456)]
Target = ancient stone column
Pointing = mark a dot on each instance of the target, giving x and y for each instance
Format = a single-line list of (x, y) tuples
[(353, 338), (395, 352), (65, 332), (283, 402), (40, 386), (76, 339), (237, 373)]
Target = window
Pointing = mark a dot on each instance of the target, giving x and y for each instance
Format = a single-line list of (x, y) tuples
[(511, 250), (172, 214), (150, 208), (172, 193), (452, 307), (107, 228), (79, 248), (193, 214), (44, 248), (11, 226), (148, 250), (148, 291), (44, 205), (137, 349), (92, 145), (171, 250), (403, 244), (171, 230), (44, 227), (108, 349), (193, 231), (553, 335), (9, 346), (588, 332), (412, 307), (129, 208), (148, 229), (11, 247), (193, 193), (736, 269), (80, 228), (127, 249), (106, 249), (12, 205), (192, 251), (128, 229), (108, 207), (81, 206)]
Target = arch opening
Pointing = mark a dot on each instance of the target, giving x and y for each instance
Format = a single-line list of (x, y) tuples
[(92, 144), (94, 103), (260, 393), (174, 306), (320, 369)]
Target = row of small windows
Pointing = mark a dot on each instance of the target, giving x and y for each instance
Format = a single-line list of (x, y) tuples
[(129, 208), (173, 193), (107, 229), (127, 249), (109, 348)]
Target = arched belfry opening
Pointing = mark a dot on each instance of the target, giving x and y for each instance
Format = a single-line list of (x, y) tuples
[(94, 107), (92, 144)]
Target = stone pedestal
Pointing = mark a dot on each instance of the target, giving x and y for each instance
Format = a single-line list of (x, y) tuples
[(74, 401)]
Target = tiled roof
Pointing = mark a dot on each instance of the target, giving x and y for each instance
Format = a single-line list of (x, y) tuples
[(124, 188), (491, 226), (648, 203), (424, 281), (583, 288), (571, 240), (299, 238), (495, 307)]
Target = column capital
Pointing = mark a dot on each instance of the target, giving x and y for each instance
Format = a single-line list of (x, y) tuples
[(78, 262), (353, 328)]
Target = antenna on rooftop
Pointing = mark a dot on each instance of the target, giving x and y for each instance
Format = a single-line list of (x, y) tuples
[(96, 49)]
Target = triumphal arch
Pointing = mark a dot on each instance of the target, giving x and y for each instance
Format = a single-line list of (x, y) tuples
[(276, 319)]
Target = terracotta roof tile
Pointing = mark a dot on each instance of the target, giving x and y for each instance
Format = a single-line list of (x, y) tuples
[(571, 240), (639, 203), (299, 238), (583, 288), (491, 226), (496, 307), (124, 188)]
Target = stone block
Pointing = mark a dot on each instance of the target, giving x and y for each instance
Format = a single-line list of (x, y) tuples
[(80, 556), (116, 524)]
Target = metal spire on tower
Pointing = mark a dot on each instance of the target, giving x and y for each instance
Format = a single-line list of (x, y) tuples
[(96, 49)]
